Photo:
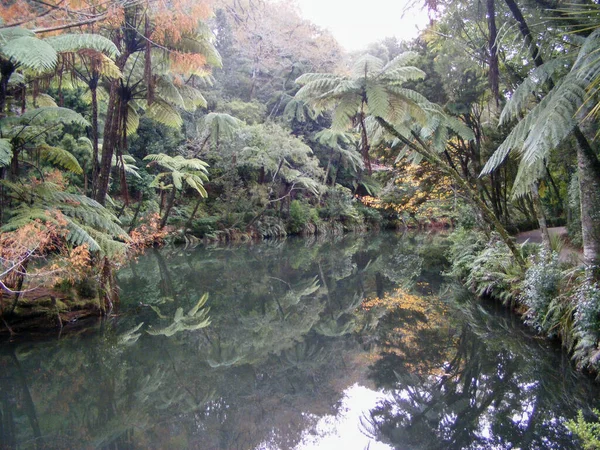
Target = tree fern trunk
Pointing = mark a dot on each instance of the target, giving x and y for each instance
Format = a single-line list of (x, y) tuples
[(589, 188), (163, 221), (111, 133), (541, 216), (494, 73), (95, 167), (111, 136)]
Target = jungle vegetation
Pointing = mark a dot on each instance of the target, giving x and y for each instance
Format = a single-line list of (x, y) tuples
[(125, 123)]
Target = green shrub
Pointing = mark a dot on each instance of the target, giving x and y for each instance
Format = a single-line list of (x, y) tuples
[(465, 245), (495, 273), (587, 432), (299, 216), (541, 292)]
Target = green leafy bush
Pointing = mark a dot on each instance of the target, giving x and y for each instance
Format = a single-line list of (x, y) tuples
[(465, 245), (541, 292), (299, 216), (495, 273), (587, 432)]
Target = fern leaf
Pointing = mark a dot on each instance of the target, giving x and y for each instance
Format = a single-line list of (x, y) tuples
[(73, 42), (162, 112), (133, 120), (10, 33), (519, 100), (52, 114), (556, 121), (61, 158), (6, 152), (367, 65), (377, 99), (30, 52)]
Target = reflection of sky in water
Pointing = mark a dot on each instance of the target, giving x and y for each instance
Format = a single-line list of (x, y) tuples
[(344, 430)]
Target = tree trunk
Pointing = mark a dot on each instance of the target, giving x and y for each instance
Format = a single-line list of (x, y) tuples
[(589, 188), (494, 73), (163, 221), (438, 163), (95, 168), (364, 144), (541, 216), (112, 136)]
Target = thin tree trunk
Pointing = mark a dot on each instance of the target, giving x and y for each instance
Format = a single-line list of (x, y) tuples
[(435, 160), (494, 73), (163, 221), (589, 188), (95, 150), (541, 216), (189, 222)]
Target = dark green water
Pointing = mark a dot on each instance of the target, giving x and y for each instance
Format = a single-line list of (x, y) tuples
[(348, 343)]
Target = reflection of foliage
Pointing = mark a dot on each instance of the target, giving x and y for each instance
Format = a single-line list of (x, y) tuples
[(473, 394), (195, 319), (292, 325)]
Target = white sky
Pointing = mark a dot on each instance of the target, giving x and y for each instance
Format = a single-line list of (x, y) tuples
[(357, 23)]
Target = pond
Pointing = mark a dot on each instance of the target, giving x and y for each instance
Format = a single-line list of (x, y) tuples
[(354, 342)]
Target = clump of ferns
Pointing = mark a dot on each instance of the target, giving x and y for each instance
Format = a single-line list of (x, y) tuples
[(586, 300), (546, 296), (494, 273)]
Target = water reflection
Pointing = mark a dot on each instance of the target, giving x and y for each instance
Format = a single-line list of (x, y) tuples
[(287, 345)]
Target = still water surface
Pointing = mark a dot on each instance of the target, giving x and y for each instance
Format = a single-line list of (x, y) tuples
[(342, 343)]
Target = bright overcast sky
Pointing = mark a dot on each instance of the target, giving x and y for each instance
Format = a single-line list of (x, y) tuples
[(357, 23)]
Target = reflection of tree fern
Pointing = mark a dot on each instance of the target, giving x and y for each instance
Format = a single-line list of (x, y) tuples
[(195, 319), (336, 327), (131, 336), (302, 352), (223, 355)]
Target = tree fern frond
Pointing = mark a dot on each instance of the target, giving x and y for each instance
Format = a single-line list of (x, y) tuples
[(401, 60), (52, 114), (556, 121), (10, 33), (169, 92), (192, 98), (403, 74), (459, 128), (519, 100), (41, 100), (515, 139), (30, 52), (526, 176), (73, 42), (345, 110), (367, 65), (377, 99), (61, 158), (6, 152), (162, 112), (133, 120)]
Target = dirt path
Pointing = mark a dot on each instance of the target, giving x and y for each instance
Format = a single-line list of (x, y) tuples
[(567, 253)]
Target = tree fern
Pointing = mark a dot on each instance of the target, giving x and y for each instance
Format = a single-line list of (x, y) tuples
[(5, 152), (30, 52), (86, 220), (61, 157), (164, 113), (73, 42)]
